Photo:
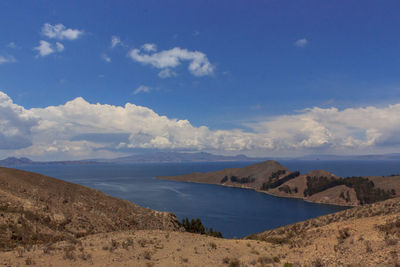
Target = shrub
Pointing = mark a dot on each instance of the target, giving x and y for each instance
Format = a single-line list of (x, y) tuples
[(196, 226), (213, 245), (234, 263)]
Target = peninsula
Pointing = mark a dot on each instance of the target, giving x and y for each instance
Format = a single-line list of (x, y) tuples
[(317, 186)]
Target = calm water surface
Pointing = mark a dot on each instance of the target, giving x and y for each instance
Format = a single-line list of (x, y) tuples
[(233, 211)]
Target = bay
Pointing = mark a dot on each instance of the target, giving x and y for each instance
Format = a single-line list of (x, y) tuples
[(233, 211)]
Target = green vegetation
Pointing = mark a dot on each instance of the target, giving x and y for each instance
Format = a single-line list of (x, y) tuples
[(196, 226), (276, 175), (244, 180), (288, 190), (347, 197), (365, 190), (224, 180), (276, 183)]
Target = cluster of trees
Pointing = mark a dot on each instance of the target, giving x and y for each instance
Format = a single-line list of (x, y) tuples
[(274, 184), (244, 180), (288, 190), (365, 190), (276, 175), (347, 197), (197, 227), (235, 179)]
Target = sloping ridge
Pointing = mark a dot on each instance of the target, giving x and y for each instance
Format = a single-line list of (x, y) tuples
[(319, 186), (36, 208), (257, 174)]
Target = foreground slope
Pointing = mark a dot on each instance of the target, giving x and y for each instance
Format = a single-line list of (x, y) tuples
[(317, 186), (37, 209), (362, 236)]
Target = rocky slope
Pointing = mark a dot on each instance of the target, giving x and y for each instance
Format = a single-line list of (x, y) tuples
[(40, 209), (317, 186)]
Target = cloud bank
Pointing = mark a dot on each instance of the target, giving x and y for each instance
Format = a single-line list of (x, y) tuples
[(79, 129)]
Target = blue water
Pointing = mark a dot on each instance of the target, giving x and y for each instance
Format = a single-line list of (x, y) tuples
[(233, 211)]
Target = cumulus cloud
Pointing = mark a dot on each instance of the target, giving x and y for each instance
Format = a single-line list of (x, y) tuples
[(60, 32), (142, 89), (81, 129), (199, 65), (45, 48), (6, 59), (301, 42), (16, 124)]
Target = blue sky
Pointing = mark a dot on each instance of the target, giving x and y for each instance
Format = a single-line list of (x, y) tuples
[(263, 77)]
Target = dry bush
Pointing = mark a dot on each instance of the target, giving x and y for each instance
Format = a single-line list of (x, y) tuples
[(234, 263), (147, 255), (69, 253)]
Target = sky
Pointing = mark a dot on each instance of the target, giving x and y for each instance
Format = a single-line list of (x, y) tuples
[(102, 79)]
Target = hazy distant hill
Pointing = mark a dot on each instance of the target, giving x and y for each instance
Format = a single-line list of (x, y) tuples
[(393, 156), (12, 161), (176, 157), (156, 157), (318, 186)]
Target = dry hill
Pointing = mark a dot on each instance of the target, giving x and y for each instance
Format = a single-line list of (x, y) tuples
[(317, 186), (38, 209)]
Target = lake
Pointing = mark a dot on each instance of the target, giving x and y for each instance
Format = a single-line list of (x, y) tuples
[(233, 211)]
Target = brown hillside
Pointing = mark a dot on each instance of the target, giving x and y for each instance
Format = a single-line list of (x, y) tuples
[(35, 208), (259, 171), (322, 186)]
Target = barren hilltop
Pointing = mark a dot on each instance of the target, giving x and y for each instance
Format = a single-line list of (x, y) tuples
[(317, 186), (49, 222)]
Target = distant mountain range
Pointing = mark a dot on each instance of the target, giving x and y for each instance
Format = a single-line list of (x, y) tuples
[(177, 157), (156, 157), (392, 156)]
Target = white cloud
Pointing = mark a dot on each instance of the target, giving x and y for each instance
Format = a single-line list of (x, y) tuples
[(115, 40), (15, 125), (44, 48), (59, 47), (60, 32), (198, 61), (301, 42), (149, 47), (81, 129), (142, 89), (106, 58), (166, 73), (7, 59)]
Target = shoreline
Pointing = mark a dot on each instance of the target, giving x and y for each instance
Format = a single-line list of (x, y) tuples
[(260, 191)]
